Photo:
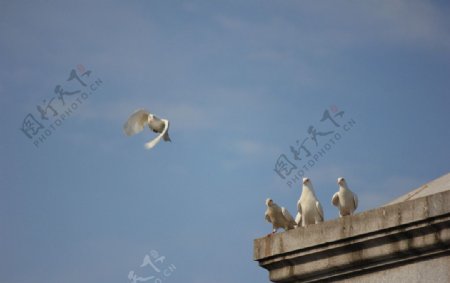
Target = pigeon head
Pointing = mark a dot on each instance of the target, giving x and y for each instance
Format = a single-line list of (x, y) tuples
[(269, 202), (305, 180), (340, 181)]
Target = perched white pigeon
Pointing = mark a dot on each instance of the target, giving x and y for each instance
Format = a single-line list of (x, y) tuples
[(344, 199), (140, 118), (279, 217), (309, 208)]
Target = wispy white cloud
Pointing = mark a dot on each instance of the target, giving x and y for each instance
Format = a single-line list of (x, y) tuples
[(344, 25), (376, 194), (231, 23), (418, 22), (255, 148)]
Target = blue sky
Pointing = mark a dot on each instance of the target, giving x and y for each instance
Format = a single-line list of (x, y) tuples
[(240, 81)]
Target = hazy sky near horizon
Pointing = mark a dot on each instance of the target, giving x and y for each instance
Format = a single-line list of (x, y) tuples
[(241, 83)]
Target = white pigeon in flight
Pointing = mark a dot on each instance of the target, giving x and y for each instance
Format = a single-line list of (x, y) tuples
[(279, 217), (309, 208), (344, 199), (140, 118)]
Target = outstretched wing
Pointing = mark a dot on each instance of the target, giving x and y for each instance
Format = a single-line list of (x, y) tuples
[(335, 199), (156, 140), (319, 209), (136, 122)]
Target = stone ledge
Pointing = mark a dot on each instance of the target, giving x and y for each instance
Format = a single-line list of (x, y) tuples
[(381, 237)]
